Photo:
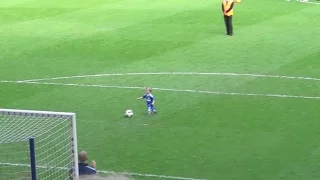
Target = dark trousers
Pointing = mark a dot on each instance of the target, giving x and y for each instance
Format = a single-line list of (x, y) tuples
[(228, 22)]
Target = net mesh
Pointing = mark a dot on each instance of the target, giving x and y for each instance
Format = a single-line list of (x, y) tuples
[(11, 156), (53, 142)]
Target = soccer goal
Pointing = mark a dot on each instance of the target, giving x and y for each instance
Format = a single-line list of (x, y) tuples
[(38, 145)]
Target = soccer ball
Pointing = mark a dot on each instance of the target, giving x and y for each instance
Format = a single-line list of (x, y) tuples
[(128, 113)]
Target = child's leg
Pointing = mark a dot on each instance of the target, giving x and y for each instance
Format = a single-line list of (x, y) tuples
[(153, 109), (149, 109)]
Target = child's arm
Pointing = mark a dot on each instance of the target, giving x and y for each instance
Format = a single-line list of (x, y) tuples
[(142, 97), (153, 102)]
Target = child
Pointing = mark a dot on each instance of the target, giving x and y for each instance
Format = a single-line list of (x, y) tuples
[(150, 101)]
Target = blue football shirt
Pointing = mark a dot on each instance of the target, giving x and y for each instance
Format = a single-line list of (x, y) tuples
[(149, 98), (85, 169)]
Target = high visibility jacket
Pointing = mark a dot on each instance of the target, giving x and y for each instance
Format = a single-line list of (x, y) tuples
[(227, 7)]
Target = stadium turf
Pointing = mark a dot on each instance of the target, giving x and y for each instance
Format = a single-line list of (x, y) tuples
[(240, 120)]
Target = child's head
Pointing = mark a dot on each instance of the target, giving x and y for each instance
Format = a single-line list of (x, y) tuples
[(148, 90)]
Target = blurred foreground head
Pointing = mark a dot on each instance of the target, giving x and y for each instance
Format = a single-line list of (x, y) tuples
[(83, 156)]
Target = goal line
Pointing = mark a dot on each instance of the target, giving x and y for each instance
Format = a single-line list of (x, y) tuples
[(107, 172)]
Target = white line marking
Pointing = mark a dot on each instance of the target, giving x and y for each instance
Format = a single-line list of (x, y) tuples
[(308, 2), (166, 89), (108, 172), (175, 73), (150, 175)]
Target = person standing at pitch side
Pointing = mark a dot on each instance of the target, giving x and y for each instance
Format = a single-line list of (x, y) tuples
[(227, 9)]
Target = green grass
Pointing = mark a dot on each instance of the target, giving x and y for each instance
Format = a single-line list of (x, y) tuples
[(197, 135)]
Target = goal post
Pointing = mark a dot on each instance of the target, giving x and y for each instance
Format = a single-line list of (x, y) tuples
[(53, 136), (33, 166)]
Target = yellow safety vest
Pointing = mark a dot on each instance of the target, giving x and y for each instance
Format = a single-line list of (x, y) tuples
[(227, 7)]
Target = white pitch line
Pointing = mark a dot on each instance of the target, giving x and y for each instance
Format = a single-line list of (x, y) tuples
[(167, 89), (150, 175), (308, 2), (108, 172), (174, 73)]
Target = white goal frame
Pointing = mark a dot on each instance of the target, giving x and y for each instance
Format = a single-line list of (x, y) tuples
[(52, 113)]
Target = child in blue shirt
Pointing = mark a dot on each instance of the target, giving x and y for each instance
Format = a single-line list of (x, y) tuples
[(149, 100)]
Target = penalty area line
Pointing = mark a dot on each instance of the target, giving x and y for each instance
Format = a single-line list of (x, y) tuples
[(175, 73), (167, 89)]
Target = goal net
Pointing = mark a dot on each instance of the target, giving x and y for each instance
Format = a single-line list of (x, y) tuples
[(55, 139)]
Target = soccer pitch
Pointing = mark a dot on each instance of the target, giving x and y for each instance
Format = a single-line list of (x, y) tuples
[(241, 107)]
